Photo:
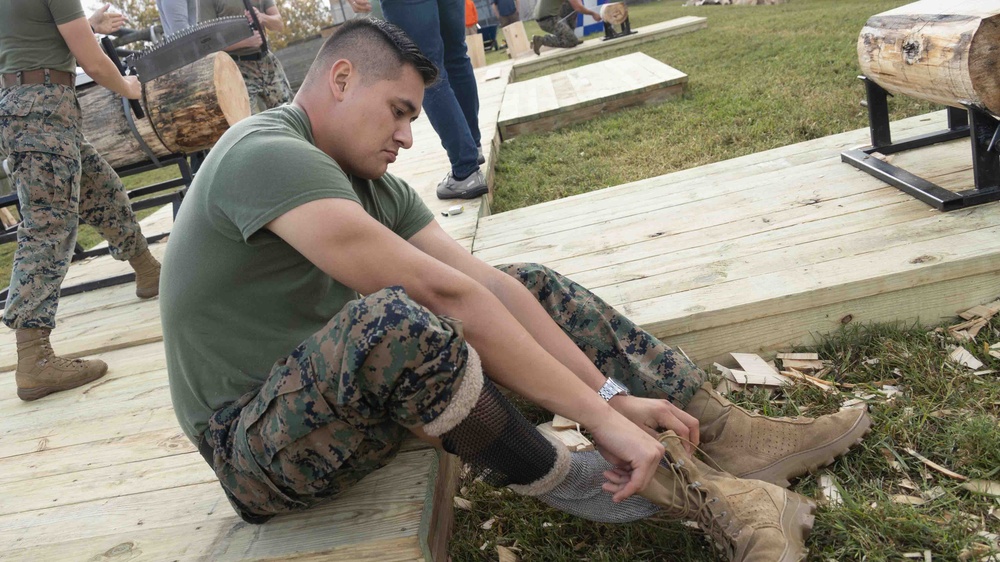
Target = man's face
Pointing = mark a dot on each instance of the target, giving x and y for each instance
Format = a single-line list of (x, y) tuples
[(376, 122)]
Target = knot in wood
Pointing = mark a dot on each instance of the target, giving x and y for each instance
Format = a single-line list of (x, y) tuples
[(912, 50)]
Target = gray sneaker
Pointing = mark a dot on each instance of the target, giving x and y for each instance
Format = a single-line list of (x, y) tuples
[(480, 159), (469, 188)]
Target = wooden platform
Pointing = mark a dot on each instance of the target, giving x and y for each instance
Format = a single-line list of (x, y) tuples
[(104, 472), (552, 57), (583, 93), (766, 251)]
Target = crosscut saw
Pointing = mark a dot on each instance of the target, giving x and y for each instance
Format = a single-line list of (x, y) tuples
[(194, 43)]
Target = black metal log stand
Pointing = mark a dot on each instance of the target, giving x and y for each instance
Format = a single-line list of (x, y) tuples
[(973, 122), (610, 33), (9, 234)]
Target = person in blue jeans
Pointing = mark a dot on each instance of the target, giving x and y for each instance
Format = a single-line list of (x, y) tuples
[(452, 103)]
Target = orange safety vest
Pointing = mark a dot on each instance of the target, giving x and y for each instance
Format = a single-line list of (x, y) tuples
[(471, 16)]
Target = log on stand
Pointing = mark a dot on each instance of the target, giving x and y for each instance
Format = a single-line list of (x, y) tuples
[(946, 52), (187, 110), (943, 51)]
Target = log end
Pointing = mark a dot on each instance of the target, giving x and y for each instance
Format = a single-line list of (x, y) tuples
[(230, 89), (984, 64), (615, 13)]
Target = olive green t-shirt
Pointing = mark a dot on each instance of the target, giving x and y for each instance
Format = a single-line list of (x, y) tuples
[(211, 9), (29, 38), (547, 8), (234, 297)]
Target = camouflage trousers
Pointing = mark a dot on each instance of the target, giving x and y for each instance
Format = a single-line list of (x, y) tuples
[(341, 404), (266, 82), (561, 34), (60, 180)]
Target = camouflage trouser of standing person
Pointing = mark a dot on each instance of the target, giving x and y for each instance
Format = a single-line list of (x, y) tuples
[(60, 180), (266, 82), (561, 35), (341, 404)]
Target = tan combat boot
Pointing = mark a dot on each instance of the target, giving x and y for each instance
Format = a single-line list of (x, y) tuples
[(40, 372), (147, 275), (752, 521), (774, 450)]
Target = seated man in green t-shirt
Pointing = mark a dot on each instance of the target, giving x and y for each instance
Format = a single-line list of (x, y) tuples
[(294, 386)]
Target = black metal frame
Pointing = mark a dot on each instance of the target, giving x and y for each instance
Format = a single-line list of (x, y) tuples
[(79, 253), (982, 128), (610, 33)]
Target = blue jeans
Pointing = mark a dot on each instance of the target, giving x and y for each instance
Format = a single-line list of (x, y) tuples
[(452, 104)]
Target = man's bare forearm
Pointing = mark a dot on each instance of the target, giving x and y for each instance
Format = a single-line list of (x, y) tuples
[(529, 313)]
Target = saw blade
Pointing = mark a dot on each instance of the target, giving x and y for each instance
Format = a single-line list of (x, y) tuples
[(189, 45)]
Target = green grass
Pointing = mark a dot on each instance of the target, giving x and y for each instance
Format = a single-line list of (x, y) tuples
[(759, 78)]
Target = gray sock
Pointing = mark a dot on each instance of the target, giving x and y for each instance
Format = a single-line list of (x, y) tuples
[(580, 493)]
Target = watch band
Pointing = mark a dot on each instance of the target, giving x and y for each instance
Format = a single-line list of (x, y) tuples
[(611, 389)]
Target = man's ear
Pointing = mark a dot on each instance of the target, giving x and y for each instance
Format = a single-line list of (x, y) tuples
[(340, 75)]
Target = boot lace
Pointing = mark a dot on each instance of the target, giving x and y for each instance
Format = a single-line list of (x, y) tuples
[(699, 506), (48, 355)]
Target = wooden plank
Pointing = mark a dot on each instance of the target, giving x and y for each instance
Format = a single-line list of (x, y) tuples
[(579, 94), (643, 34), (382, 511), (928, 304), (687, 185)]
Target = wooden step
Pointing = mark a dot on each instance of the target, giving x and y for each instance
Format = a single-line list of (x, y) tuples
[(580, 94)]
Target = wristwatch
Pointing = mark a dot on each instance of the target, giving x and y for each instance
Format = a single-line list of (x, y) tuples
[(611, 389)]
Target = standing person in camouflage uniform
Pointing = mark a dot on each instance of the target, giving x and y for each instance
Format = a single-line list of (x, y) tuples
[(552, 19), (294, 387), (59, 177), (264, 76)]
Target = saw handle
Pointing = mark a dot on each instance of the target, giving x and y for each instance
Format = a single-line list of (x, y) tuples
[(256, 25), (109, 49)]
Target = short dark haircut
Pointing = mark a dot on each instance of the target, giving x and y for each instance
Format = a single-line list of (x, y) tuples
[(378, 49)]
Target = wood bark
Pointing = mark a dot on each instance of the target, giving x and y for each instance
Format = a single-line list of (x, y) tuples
[(186, 110), (943, 51)]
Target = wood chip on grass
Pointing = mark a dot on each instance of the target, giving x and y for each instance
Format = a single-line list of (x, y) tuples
[(984, 487), (507, 555), (574, 440), (936, 466), (962, 356), (829, 489)]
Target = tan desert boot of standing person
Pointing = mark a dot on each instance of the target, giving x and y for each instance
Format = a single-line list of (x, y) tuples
[(774, 450), (41, 372), (147, 275), (753, 521)]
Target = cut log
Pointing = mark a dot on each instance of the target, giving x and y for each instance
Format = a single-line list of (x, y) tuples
[(477, 52), (191, 107), (943, 51), (614, 13), (517, 40), (187, 110)]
